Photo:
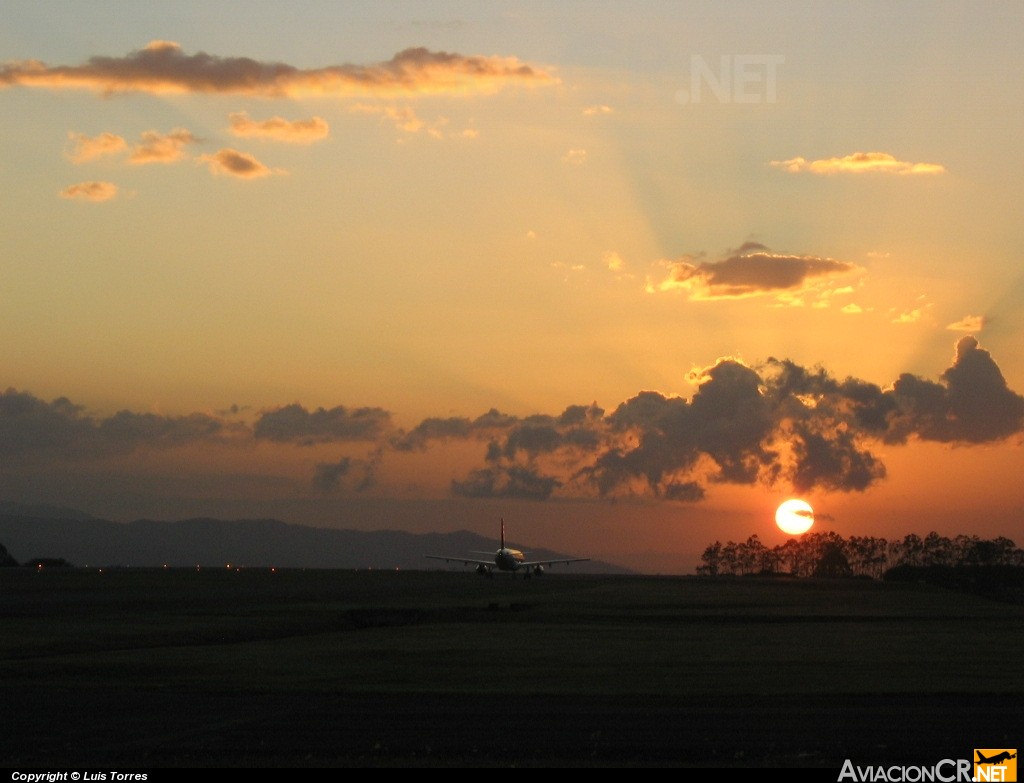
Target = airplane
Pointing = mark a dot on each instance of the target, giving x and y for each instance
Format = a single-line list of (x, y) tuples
[(996, 758), (506, 559)]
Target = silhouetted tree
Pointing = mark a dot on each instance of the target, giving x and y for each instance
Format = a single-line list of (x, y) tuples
[(909, 550), (832, 563), (868, 555), (829, 554), (937, 550), (792, 557), (711, 560), (730, 558), (6, 561), (749, 554), (768, 560), (976, 551)]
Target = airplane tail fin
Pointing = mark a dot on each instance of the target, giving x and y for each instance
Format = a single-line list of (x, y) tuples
[(981, 757), (502, 532)]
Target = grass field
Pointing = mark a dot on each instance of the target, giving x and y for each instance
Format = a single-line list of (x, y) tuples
[(337, 668)]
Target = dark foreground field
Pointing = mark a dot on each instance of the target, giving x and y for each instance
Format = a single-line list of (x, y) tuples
[(338, 668)]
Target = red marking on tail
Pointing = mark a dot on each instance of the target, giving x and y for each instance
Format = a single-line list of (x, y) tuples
[(503, 533)]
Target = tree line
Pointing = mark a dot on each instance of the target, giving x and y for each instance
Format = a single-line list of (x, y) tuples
[(830, 555), (8, 561)]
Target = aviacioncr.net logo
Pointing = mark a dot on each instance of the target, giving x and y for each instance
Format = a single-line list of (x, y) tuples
[(995, 764)]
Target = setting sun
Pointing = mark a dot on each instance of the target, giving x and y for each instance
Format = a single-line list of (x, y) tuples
[(794, 516)]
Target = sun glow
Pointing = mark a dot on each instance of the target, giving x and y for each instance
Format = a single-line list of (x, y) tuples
[(794, 516)]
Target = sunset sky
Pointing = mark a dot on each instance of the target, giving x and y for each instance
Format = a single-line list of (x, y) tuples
[(628, 275)]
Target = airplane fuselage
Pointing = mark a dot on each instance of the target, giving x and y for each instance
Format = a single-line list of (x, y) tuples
[(508, 559)]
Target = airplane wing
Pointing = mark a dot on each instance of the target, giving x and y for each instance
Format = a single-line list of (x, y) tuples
[(566, 561), (463, 560)]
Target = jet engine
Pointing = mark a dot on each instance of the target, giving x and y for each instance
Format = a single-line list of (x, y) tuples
[(538, 570), (483, 570)]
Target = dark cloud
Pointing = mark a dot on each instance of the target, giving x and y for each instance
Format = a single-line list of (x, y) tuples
[(456, 427), (749, 247), (741, 427), (833, 461), (752, 270), (432, 429), (30, 425), (512, 481), (652, 438), (801, 391), (775, 423), (235, 164), (725, 429), (580, 414), (162, 67), (532, 439), (972, 405), (295, 424), (754, 273), (870, 407), (132, 429), (688, 491), (328, 476), (494, 420), (732, 420)]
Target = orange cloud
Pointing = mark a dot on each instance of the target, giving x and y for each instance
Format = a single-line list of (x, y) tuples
[(969, 323), (90, 191), (911, 316), (858, 163), (575, 157), (161, 67), (613, 261), (280, 129), (403, 117), (86, 148), (235, 164), (162, 148)]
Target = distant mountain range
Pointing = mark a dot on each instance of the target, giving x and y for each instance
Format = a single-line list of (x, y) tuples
[(36, 532)]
